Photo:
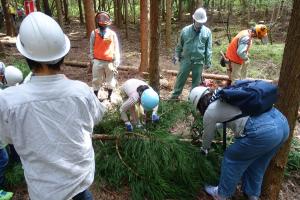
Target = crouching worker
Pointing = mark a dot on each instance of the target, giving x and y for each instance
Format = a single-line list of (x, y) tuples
[(50, 119), (258, 138), (139, 97), (9, 76)]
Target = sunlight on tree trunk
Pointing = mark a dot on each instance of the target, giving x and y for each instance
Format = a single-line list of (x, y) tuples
[(289, 98), (144, 28), (89, 16), (154, 44)]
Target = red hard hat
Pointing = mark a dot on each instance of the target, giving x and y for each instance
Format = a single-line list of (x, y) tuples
[(103, 18)]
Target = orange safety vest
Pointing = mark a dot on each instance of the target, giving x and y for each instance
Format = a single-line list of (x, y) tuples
[(104, 47), (231, 52)]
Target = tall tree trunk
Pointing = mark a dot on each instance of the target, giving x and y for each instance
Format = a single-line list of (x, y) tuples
[(103, 4), (126, 17), (7, 17), (144, 15), (66, 9), (199, 3), (47, 8), (2, 51), (180, 10), (288, 104), (38, 5), (154, 44), (119, 13), (80, 12), (95, 5), (59, 13), (168, 23), (89, 16)]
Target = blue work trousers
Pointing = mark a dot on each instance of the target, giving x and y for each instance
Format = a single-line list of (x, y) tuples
[(3, 164), (248, 157), (85, 195)]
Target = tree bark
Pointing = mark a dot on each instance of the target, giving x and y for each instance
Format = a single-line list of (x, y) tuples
[(2, 51), (66, 11), (144, 26), (126, 17), (47, 8), (38, 5), (80, 12), (154, 44), (180, 10), (89, 16), (288, 104), (9, 24), (168, 23), (59, 13)]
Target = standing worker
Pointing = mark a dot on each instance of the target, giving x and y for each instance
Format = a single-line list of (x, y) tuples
[(105, 54), (193, 51), (138, 93), (50, 119), (258, 138), (238, 51)]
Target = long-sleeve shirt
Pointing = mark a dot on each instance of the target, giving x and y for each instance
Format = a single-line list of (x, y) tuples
[(218, 112), (116, 45), (50, 120), (243, 45), (129, 88), (196, 47)]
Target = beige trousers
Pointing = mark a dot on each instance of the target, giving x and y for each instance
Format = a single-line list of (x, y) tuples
[(103, 75), (238, 71)]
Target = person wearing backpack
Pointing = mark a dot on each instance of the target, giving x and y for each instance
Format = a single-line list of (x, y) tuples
[(257, 139), (50, 119), (105, 54), (237, 53)]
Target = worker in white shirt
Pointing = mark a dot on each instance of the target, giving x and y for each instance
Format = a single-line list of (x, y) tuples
[(50, 119), (138, 93)]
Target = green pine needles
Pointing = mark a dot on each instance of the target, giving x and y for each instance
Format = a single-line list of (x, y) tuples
[(154, 163)]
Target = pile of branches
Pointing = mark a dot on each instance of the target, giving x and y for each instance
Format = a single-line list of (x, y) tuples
[(151, 161)]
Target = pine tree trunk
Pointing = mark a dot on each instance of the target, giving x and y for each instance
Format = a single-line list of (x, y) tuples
[(66, 9), (95, 5), (80, 12), (47, 8), (59, 13), (144, 26), (8, 20), (168, 23), (89, 16), (38, 5), (289, 98), (2, 51), (180, 10), (119, 13), (154, 44), (126, 17)]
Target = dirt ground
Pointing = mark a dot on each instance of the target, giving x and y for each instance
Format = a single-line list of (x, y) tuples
[(130, 57)]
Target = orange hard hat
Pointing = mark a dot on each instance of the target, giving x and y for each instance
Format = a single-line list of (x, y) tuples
[(103, 18), (261, 31)]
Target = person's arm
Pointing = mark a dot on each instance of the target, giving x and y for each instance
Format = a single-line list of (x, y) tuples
[(117, 58), (97, 109), (243, 46), (208, 51), (209, 125), (4, 125), (179, 46)]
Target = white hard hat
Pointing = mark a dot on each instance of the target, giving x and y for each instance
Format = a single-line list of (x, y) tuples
[(13, 75), (200, 16), (41, 39), (196, 94)]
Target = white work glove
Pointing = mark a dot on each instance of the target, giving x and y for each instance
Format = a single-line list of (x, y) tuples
[(128, 126), (175, 59), (117, 63), (113, 68)]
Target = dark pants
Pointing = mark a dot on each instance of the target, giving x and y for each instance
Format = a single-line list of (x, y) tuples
[(85, 195)]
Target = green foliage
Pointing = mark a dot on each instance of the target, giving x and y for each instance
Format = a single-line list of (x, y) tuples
[(22, 65), (14, 175), (153, 162), (294, 156)]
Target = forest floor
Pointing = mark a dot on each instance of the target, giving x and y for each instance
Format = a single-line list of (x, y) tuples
[(131, 58)]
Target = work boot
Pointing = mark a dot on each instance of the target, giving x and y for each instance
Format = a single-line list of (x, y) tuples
[(109, 91), (213, 192)]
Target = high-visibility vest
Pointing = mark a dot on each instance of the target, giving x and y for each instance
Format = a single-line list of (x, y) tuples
[(231, 52), (104, 47)]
